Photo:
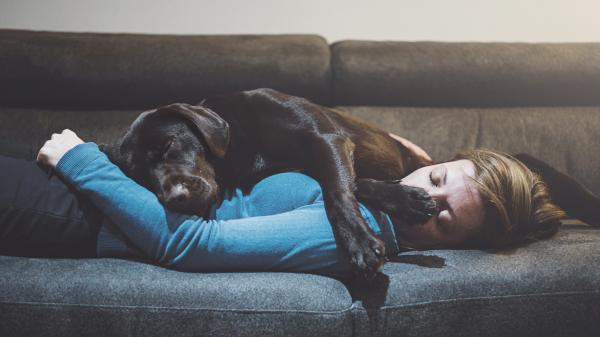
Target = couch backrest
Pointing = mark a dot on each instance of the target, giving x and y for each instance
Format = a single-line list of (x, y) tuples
[(134, 71), (465, 74), (542, 99)]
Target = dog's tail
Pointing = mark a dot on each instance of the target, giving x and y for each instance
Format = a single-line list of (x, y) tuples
[(574, 198)]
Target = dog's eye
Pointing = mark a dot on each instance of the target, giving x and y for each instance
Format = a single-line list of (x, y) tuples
[(168, 144)]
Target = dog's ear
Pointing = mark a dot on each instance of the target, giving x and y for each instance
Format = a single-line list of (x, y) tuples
[(111, 151), (211, 126)]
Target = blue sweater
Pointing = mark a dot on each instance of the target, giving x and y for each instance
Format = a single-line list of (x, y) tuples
[(281, 225)]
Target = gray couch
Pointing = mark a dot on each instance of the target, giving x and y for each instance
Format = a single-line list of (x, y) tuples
[(543, 99)]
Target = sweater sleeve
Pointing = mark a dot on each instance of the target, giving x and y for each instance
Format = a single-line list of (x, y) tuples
[(299, 240)]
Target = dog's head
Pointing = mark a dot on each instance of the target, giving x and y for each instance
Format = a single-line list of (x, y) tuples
[(170, 151)]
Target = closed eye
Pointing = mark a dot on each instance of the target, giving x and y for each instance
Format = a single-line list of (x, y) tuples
[(167, 146), (432, 181)]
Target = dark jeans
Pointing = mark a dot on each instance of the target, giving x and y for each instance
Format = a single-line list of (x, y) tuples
[(41, 216)]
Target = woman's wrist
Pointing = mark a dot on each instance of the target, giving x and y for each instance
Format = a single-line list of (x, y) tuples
[(77, 158), (56, 147)]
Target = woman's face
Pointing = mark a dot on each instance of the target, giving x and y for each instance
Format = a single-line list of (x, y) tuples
[(460, 207)]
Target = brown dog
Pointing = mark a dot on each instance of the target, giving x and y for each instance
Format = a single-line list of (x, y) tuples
[(187, 154)]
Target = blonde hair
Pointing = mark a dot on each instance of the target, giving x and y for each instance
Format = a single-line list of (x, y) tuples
[(518, 203)]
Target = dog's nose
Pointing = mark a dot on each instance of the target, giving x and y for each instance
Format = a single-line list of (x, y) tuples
[(178, 193)]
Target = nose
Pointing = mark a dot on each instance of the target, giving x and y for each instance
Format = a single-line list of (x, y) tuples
[(177, 194)]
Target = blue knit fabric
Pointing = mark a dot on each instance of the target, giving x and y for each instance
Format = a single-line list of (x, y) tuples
[(281, 225)]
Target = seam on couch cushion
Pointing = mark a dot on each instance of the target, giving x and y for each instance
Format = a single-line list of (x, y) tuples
[(119, 307), (487, 298)]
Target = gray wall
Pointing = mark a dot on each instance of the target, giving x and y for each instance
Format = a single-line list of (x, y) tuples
[(443, 20)]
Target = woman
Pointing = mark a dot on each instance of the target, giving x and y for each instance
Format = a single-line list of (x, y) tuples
[(485, 199)]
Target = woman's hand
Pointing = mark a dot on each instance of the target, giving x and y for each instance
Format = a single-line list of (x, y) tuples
[(412, 147), (56, 147)]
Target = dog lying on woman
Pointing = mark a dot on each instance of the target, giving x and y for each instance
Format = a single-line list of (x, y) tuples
[(189, 154)]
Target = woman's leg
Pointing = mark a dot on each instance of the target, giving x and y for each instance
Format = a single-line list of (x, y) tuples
[(41, 216)]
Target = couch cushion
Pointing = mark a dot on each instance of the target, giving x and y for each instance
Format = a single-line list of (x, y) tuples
[(548, 288), (465, 74), (109, 297), (23, 131), (566, 137), (114, 71)]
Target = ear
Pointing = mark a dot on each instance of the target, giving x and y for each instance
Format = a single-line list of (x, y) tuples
[(211, 126), (112, 152)]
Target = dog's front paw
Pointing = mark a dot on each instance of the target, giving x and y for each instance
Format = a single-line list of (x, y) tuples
[(367, 255), (413, 205), (418, 206)]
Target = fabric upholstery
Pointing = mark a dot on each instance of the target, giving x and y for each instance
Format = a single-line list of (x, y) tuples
[(465, 74), (116, 71), (109, 297), (536, 98), (24, 131), (566, 137), (547, 288)]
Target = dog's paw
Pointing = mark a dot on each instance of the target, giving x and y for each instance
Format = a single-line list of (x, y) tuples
[(418, 206), (367, 255), (412, 205)]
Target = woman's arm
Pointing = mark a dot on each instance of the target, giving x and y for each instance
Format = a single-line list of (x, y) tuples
[(299, 240)]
